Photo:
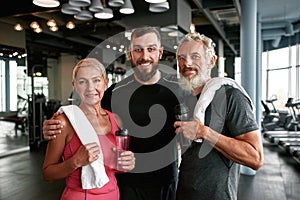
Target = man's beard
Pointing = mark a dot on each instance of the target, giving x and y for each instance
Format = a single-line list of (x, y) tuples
[(194, 82), (146, 76)]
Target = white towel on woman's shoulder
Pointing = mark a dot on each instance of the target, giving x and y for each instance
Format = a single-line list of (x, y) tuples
[(93, 175)]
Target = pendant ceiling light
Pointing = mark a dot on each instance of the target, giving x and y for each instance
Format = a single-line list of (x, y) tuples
[(127, 8), (84, 15), (70, 10), (96, 6), (101, 9), (18, 27), (159, 7), (116, 3), (192, 28), (51, 22), (53, 28), (80, 3), (155, 1), (38, 30), (106, 13), (34, 25), (46, 3), (173, 34), (70, 25)]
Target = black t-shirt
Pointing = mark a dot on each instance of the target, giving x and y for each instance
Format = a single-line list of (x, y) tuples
[(147, 111)]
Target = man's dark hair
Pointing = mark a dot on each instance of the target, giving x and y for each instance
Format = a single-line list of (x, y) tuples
[(138, 32)]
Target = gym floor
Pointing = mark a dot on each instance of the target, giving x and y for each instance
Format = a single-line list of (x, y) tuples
[(21, 178)]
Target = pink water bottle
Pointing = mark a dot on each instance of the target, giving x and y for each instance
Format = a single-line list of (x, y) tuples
[(122, 142)]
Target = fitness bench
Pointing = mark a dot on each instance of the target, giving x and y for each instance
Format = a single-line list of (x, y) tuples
[(12, 116)]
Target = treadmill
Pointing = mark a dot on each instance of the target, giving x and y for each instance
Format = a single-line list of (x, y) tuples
[(289, 146), (275, 138), (293, 133)]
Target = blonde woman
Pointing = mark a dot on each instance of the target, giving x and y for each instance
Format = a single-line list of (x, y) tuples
[(90, 82)]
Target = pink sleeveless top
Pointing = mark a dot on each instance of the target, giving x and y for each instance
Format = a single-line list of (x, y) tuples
[(110, 190)]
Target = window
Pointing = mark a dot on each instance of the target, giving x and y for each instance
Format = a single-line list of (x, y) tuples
[(281, 75), (13, 96), (2, 86), (13, 83)]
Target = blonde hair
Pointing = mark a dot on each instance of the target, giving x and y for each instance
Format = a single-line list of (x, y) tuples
[(89, 62), (208, 42)]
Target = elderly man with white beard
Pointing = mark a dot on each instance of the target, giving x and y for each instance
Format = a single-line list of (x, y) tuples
[(223, 130)]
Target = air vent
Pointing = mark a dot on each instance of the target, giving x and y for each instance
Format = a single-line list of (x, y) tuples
[(228, 16)]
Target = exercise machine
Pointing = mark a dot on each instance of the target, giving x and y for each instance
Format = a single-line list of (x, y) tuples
[(274, 119), (288, 139)]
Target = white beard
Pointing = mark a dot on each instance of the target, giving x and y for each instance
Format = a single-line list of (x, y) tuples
[(194, 82)]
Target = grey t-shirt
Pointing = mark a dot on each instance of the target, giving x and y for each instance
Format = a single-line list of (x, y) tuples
[(204, 172)]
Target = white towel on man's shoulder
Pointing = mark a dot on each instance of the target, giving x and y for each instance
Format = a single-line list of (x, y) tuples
[(93, 175), (208, 94)]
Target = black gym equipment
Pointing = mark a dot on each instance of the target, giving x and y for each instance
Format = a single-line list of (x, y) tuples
[(274, 119), (289, 146), (286, 135)]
